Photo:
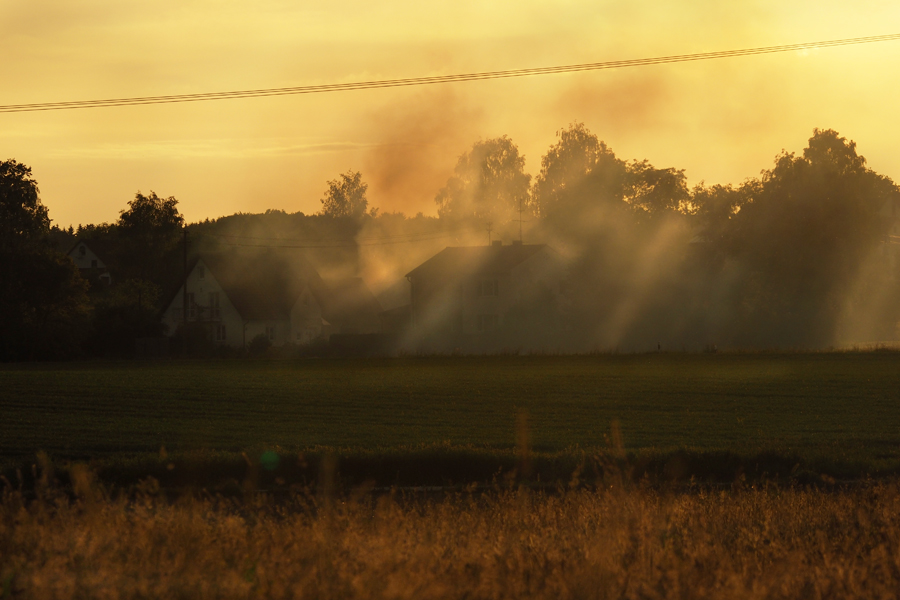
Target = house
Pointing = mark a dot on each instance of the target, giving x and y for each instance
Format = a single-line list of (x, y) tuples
[(488, 296), (890, 215), (92, 267), (236, 296)]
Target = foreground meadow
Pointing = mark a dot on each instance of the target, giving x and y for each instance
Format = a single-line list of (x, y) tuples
[(612, 541)]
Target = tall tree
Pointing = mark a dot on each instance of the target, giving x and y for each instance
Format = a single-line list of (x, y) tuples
[(804, 234), (150, 229), (346, 196), (652, 191), (488, 183), (42, 296), (577, 173), (23, 219)]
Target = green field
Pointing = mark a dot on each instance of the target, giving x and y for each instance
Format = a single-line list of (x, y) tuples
[(841, 406)]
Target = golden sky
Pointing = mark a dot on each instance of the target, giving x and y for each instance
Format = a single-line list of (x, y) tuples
[(721, 120)]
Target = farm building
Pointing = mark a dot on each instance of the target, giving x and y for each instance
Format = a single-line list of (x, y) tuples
[(238, 296), (488, 296)]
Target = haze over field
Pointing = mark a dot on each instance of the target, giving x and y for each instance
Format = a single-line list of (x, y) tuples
[(721, 120)]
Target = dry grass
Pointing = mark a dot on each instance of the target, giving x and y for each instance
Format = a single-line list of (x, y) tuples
[(601, 543)]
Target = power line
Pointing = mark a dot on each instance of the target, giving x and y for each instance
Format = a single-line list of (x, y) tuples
[(389, 83)]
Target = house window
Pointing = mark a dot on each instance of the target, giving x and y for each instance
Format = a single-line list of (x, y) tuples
[(488, 322), (488, 287), (192, 306), (270, 332), (94, 263), (201, 272), (220, 332), (82, 250), (214, 312)]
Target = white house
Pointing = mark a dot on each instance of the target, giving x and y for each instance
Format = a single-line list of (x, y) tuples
[(89, 262), (237, 296)]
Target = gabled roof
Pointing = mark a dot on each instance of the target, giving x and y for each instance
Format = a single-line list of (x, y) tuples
[(265, 286), (262, 285), (476, 260), (102, 248)]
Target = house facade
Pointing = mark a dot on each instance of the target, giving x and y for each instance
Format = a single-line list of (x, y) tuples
[(488, 296), (202, 299), (890, 214), (236, 297), (92, 267)]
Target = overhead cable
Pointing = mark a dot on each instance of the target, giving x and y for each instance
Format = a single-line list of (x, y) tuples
[(438, 79)]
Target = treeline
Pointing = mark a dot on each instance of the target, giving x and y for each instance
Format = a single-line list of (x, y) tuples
[(801, 256)]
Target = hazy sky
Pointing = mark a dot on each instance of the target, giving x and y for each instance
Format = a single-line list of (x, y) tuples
[(722, 120)]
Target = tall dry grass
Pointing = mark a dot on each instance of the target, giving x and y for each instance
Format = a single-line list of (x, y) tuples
[(606, 543)]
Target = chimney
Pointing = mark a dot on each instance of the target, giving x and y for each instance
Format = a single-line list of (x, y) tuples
[(497, 243)]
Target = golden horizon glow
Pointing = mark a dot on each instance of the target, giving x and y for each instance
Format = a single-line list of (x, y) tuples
[(721, 120)]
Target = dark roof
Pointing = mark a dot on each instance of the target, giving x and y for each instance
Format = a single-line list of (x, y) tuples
[(265, 285), (103, 248), (476, 260), (262, 285)]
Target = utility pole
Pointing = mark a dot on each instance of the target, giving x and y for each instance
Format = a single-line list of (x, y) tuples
[(520, 211), (490, 226), (184, 296)]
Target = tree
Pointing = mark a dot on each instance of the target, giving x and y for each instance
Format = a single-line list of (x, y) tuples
[(346, 196), (804, 235), (577, 173), (42, 296), (652, 191), (126, 310), (153, 220), (23, 219), (488, 183), (150, 229)]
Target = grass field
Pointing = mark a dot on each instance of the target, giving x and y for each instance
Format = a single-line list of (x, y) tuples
[(678, 505), (838, 407), (773, 543)]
